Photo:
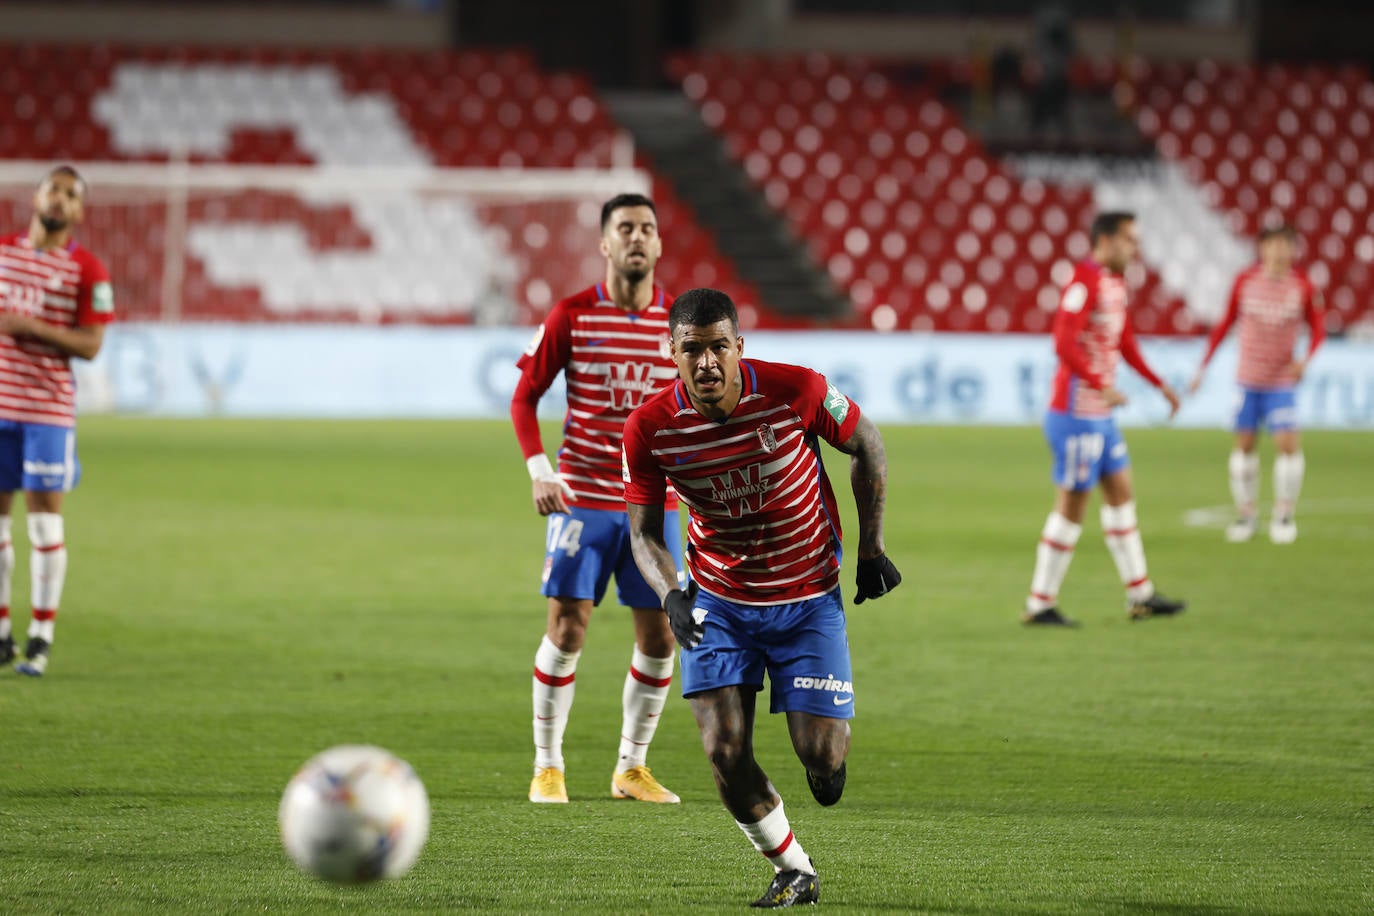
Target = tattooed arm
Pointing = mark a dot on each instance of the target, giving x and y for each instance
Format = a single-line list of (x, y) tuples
[(651, 553), (868, 477)]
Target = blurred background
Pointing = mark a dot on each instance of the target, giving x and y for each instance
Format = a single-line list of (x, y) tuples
[(361, 208)]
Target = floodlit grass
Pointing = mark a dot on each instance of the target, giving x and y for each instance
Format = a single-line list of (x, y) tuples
[(244, 594)]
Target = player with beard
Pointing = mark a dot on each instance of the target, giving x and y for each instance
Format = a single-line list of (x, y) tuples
[(55, 300), (610, 341)]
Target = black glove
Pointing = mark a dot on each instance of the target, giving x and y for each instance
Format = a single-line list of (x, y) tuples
[(678, 605), (877, 577)]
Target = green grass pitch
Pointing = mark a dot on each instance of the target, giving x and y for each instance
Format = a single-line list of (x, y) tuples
[(245, 594)]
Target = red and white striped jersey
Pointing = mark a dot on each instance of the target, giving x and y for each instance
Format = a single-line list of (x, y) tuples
[(1092, 334), (67, 287), (1271, 312), (764, 527), (611, 360)]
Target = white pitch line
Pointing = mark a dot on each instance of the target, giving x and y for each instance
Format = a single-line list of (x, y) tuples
[(1221, 516)]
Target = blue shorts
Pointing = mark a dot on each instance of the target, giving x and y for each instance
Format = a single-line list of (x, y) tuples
[(802, 645), (36, 457), (1276, 408), (585, 546), (1084, 451)]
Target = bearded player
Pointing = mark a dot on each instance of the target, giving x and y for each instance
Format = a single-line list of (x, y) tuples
[(610, 341), (55, 300), (1092, 333), (1272, 301), (739, 440)]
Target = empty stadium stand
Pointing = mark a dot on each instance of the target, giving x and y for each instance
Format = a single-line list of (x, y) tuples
[(270, 255)]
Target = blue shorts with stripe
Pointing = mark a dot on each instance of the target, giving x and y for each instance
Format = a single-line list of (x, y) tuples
[(1276, 408), (802, 645), (585, 546), (1084, 450), (37, 457)]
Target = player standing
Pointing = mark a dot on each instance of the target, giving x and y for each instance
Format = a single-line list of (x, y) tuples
[(1271, 300), (739, 441), (55, 300), (611, 343), (1091, 334)]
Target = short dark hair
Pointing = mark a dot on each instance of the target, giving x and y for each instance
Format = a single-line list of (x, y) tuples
[(701, 308), (65, 170), (623, 200), (1278, 230), (1109, 223)]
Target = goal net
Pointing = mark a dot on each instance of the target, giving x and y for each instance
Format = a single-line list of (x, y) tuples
[(189, 242)]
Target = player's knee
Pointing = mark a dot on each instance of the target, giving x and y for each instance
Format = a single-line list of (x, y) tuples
[(45, 529), (822, 748)]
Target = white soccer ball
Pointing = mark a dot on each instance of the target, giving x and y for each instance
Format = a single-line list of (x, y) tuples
[(354, 813)]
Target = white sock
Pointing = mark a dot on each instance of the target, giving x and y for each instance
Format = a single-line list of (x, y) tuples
[(773, 837), (1123, 541), (1052, 558), (646, 690), (1288, 471), (6, 575), (554, 671), (1243, 470), (48, 571)]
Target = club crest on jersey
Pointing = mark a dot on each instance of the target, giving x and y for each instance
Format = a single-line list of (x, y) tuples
[(768, 439), (740, 490)]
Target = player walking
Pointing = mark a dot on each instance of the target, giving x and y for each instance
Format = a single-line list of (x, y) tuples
[(1091, 334), (55, 300), (1271, 300), (738, 439), (611, 343)]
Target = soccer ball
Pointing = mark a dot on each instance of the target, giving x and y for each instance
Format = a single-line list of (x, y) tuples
[(354, 813)]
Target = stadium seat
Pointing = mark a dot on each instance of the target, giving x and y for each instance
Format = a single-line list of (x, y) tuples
[(300, 106), (890, 190)]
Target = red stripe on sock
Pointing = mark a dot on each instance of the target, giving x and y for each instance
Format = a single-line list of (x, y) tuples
[(1141, 581), (5, 544), (49, 549), (1066, 548), (651, 681), (4, 612), (1119, 532), (1039, 597), (634, 742), (782, 847), (44, 614), (553, 681)]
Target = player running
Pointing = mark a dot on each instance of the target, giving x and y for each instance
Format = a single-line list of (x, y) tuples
[(55, 300), (739, 441), (1271, 300), (611, 343), (1091, 334)]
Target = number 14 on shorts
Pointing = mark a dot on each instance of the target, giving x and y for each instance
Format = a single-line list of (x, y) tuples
[(565, 534)]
